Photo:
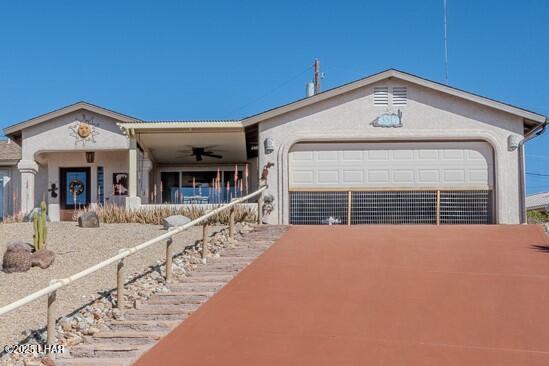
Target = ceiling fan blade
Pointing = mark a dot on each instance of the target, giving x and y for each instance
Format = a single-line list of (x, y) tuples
[(212, 155)]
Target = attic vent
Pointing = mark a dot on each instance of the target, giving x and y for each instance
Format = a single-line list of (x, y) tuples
[(381, 96), (400, 95)]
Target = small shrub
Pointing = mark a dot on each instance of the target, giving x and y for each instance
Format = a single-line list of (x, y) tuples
[(113, 214), (537, 217)]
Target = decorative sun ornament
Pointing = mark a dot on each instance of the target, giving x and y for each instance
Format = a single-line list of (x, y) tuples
[(84, 130)]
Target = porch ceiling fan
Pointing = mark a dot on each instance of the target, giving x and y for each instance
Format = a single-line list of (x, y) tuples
[(200, 152)]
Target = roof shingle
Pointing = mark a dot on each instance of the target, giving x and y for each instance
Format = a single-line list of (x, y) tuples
[(538, 200), (9, 150)]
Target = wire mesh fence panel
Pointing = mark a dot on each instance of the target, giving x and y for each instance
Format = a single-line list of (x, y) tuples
[(318, 208), (393, 207), (466, 207)]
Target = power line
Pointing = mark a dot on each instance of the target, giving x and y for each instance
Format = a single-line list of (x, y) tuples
[(537, 174), (281, 85)]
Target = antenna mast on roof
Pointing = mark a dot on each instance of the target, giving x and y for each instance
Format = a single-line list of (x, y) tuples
[(317, 76), (445, 44)]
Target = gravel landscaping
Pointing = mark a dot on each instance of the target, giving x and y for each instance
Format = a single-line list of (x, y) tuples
[(76, 249)]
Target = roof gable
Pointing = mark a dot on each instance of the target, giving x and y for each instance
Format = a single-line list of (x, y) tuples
[(16, 128), (529, 116), (9, 151)]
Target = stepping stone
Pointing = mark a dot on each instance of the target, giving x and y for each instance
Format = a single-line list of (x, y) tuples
[(143, 325)]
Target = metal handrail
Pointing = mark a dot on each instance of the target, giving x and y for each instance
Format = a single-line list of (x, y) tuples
[(59, 283)]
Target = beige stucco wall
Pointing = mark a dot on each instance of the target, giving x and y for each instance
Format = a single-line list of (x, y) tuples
[(55, 135), (111, 161), (51, 145), (428, 115)]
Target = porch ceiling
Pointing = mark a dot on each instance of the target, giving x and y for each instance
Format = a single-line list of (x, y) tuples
[(173, 147)]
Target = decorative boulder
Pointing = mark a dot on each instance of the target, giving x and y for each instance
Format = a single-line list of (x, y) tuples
[(17, 245), (16, 261), (88, 220), (42, 258), (175, 221)]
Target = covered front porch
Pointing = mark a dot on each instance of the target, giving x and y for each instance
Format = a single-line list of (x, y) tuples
[(177, 163)]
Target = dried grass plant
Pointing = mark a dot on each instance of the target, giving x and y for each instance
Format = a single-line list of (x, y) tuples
[(114, 214)]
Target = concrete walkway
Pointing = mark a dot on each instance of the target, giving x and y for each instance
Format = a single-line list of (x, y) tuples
[(378, 295)]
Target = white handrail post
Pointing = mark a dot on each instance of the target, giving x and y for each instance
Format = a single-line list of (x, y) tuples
[(120, 285), (260, 209), (204, 241), (52, 297), (231, 223), (169, 260)]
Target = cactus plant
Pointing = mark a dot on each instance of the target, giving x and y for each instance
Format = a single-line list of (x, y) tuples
[(39, 221)]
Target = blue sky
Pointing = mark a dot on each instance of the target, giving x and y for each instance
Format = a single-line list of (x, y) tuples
[(229, 59)]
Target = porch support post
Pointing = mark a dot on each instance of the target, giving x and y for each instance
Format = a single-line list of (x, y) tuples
[(145, 189), (28, 170), (132, 201)]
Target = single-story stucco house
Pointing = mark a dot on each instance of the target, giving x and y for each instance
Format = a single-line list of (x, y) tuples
[(538, 202), (389, 148)]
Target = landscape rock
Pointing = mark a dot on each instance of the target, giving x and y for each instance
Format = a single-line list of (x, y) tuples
[(16, 261), (175, 221), (16, 245), (42, 258), (88, 220)]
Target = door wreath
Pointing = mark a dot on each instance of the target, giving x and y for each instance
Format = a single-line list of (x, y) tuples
[(76, 187)]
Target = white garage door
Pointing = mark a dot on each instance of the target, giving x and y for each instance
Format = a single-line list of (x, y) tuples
[(391, 183), (391, 165)]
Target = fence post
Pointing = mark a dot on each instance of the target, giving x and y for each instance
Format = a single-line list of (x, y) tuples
[(52, 297), (120, 285), (231, 223), (438, 207), (169, 260), (349, 208), (204, 241), (260, 209)]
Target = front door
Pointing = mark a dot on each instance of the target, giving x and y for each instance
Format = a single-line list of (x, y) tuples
[(75, 188)]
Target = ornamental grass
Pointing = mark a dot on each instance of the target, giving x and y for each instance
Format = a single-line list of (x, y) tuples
[(154, 215)]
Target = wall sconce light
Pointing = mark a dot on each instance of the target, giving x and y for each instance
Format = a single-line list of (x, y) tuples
[(90, 157), (513, 142), (269, 145)]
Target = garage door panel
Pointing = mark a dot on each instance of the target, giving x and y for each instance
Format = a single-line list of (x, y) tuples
[(353, 155), (353, 176), (391, 165), (378, 176), (403, 176), (378, 155), (327, 177), (454, 176), (428, 176), (403, 154), (304, 177)]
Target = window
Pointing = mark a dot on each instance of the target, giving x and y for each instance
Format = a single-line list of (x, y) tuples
[(200, 186), (400, 95), (381, 96), (100, 185)]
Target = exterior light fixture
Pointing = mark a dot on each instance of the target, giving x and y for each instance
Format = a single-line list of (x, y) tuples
[(269, 145), (513, 142), (90, 157)]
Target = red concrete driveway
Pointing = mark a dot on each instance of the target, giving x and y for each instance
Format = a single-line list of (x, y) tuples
[(378, 295)]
